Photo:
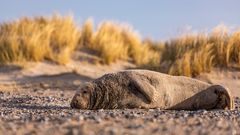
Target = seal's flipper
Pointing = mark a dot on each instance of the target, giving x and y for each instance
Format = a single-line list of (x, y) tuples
[(144, 88), (225, 99)]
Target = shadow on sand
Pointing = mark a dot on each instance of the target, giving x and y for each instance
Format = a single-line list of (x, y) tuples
[(62, 81), (9, 68), (68, 76)]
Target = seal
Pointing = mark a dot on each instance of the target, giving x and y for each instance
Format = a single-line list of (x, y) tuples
[(149, 89)]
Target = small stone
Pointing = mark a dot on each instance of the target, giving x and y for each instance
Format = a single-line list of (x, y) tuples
[(112, 115), (204, 112), (222, 124), (77, 82), (112, 131), (131, 126), (97, 119), (44, 85), (81, 118), (226, 113), (185, 115)]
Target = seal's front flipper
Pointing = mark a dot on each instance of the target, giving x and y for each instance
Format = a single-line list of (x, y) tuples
[(144, 88), (225, 99)]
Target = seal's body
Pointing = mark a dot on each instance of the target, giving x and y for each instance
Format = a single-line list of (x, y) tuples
[(148, 89)]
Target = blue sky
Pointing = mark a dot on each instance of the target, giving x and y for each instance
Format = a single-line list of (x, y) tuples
[(160, 19)]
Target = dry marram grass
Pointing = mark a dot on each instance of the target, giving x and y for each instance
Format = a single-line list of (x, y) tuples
[(114, 41), (35, 39), (191, 55), (55, 38)]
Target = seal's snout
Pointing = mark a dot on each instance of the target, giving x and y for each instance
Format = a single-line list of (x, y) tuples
[(72, 105), (74, 102), (81, 99)]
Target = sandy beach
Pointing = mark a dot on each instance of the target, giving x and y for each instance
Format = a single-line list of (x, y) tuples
[(35, 100)]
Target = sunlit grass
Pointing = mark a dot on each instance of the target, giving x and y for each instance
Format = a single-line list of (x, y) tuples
[(55, 38), (86, 33), (39, 38), (193, 54), (114, 41)]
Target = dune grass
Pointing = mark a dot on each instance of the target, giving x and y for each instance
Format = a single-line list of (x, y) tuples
[(86, 33), (35, 39), (55, 38), (114, 41), (187, 55), (191, 55)]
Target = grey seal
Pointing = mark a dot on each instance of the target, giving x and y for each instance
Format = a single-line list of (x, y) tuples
[(149, 89)]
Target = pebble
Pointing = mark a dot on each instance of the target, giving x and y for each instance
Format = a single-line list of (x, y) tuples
[(97, 119), (185, 115), (52, 112), (226, 113)]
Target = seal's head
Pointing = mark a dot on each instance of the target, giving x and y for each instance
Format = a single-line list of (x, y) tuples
[(81, 99)]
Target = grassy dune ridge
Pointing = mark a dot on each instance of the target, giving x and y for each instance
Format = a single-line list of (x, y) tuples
[(35, 39), (192, 54), (113, 41), (55, 38)]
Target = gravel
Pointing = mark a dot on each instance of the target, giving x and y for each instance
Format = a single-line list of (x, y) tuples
[(48, 112)]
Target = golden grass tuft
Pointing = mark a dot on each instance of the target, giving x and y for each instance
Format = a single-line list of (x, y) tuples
[(108, 43), (86, 33), (191, 55), (39, 38), (114, 41)]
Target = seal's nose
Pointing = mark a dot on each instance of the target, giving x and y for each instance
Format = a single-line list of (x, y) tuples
[(73, 104)]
